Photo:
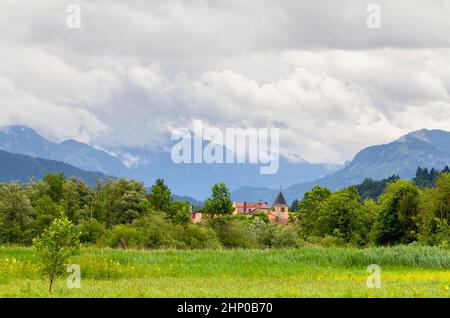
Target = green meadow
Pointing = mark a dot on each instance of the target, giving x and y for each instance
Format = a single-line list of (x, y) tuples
[(406, 271)]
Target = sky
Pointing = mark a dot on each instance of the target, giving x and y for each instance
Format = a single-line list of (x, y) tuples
[(136, 70)]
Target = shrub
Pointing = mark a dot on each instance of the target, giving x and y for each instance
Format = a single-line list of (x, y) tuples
[(235, 234), (331, 241), (155, 231), (91, 231), (198, 236), (279, 236), (124, 236)]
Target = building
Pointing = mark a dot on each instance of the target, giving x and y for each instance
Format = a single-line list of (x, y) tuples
[(196, 217), (280, 210), (250, 207)]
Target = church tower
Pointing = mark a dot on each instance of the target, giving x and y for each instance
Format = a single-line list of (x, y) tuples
[(281, 208)]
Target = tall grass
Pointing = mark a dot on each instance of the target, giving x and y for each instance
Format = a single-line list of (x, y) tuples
[(114, 263), (408, 271)]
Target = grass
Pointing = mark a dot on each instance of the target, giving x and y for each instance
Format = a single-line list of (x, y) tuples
[(407, 271)]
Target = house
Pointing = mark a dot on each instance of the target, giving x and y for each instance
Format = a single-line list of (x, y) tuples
[(196, 217), (250, 207)]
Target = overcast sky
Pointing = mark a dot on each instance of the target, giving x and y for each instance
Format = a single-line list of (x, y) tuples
[(135, 70)]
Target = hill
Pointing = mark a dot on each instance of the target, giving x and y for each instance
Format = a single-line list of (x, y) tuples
[(17, 167)]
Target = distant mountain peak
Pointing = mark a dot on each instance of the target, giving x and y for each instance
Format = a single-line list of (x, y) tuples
[(17, 129)]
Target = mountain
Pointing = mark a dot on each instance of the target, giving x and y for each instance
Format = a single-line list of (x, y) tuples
[(26, 141), (195, 203), (194, 180), (17, 167), (425, 148)]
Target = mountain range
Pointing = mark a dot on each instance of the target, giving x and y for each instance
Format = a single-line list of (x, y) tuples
[(402, 157), (425, 148), (194, 180), (17, 167)]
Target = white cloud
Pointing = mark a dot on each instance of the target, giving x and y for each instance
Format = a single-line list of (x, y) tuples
[(136, 70)]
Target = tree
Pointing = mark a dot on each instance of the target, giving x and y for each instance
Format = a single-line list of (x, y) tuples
[(56, 183), (160, 196), (77, 197), (55, 246), (443, 195), (341, 215), (433, 212), (180, 212), (219, 204), (308, 209), (399, 207), (117, 201), (371, 189), (16, 214), (45, 212), (294, 206)]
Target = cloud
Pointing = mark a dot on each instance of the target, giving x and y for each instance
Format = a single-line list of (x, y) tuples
[(24, 108), (137, 70)]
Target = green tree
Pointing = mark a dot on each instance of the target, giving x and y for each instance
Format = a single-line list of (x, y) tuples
[(397, 220), (160, 196), (180, 212), (294, 206), (45, 212), (433, 212), (219, 204), (308, 209), (341, 215), (56, 183), (117, 201), (54, 248), (443, 196), (77, 196), (16, 214)]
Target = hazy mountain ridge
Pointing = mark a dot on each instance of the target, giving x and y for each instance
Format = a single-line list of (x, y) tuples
[(425, 148), (26, 141), (194, 180), (17, 167)]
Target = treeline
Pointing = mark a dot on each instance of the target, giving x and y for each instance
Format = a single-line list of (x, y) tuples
[(122, 213), (386, 212)]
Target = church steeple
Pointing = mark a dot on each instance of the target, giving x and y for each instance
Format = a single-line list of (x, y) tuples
[(281, 208), (280, 200)]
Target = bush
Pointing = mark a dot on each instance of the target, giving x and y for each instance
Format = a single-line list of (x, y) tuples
[(331, 241), (91, 231), (124, 236), (198, 236), (155, 231), (284, 237), (235, 234), (278, 236)]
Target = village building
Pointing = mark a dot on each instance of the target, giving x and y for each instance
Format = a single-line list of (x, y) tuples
[(280, 210), (250, 207), (277, 213)]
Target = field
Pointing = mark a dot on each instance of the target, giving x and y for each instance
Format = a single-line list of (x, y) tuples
[(406, 271)]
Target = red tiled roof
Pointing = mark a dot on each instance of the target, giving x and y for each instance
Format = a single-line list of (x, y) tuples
[(249, 207)]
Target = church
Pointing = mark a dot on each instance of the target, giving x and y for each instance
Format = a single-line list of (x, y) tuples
[(277, 213)]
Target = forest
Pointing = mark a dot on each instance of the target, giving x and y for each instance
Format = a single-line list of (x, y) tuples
[(121, 213)]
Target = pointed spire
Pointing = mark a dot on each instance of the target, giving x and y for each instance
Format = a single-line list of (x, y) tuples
[(280, 200)]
